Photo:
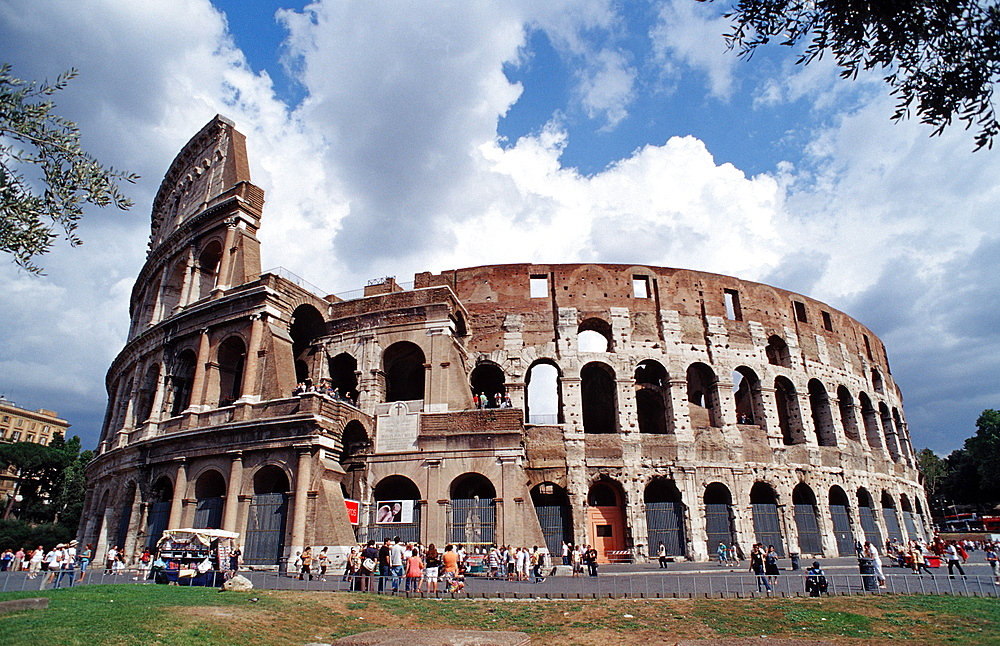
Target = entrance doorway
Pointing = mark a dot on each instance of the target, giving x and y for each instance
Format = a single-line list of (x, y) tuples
[(605, 520)]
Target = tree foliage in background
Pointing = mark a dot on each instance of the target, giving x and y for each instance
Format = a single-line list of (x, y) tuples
[(940, 57), (45, 176), (970, 475), (46, 476)]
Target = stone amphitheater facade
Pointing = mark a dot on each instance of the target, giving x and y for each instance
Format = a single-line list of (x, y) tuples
[(627, 405)]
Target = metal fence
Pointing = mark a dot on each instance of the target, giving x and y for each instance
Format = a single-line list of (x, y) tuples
[(666, 585)]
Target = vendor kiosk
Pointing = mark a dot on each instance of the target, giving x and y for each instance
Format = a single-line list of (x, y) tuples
[(192, 556)]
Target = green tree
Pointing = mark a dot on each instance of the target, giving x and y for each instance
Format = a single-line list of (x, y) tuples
[(940, 57), (934, 470), (984, 451), (962, 483), (40, 471), (45, 176)]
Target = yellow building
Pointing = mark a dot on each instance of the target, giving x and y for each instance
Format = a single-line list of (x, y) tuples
[(20, 425)]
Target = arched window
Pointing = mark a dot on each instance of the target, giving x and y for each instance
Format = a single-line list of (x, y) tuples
[(877, 383), (306, 327), (472, 512), (889, 431), (806, 521), (265, 535), (488, 381), (788, 411), (840, 514), (870, 418), (208, 268), (703, 396), (901, 437), (344, 377), (746, 394), (355, 441), (652, 398), (594, 335), (160, 496), (598, 392), (403, 365), (868, 514), (848, 418), (819, 406), (544, 397), (766, 523), (232, 359), (555, 515), (147, 393), (180, 378), (209, 492), (395, 510), (665, 517), (777, 352), (719, 526)]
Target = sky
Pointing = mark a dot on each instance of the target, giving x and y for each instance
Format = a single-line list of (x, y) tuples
[(398, 137)]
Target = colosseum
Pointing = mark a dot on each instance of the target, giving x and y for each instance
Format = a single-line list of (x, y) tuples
[(523, 404)]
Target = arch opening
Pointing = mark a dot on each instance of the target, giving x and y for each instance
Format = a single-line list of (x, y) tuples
[(555, 515), (665, 517), (403, 365), (703, 396), (766, 522), (719, 520), (395, 510), (344, 377), (209, 492), (819, 406), (232, 360), (544, 396), (488, 382), (598, 394), (807, 519), (606, 518), (788, 412), (848, 417), (267, 517), (840, 515), (472, 511), (777, 352)]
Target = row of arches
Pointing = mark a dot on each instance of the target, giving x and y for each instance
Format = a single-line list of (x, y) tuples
[(166, 388), (188, 279), (883, 427)]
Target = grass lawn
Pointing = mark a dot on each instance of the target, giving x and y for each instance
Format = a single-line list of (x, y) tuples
[(168, 615)]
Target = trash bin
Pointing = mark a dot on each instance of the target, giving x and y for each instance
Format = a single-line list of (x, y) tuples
[(867, 569), (795, 560)]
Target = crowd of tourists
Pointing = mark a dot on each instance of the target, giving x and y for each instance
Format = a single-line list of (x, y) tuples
[(57, 565), (307, 386), (394, 565)]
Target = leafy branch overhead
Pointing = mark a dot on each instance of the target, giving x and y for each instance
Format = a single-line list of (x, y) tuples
[(46, 178), (940, 57)]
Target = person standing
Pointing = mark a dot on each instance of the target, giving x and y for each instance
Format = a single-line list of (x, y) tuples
[(771, 565), (431, 568), (369, 566), (323, 561), (414, 570), (872, 552), (954, 560), (994, 560), (590, 560), (565, 553), (15, 564), (35, 563), (396, 554), (306, 568), (661, 554), (757, 567), (918, 560), (86, 555)]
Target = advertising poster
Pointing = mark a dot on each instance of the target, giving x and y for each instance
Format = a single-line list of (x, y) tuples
[(389, 512), (353, 509)]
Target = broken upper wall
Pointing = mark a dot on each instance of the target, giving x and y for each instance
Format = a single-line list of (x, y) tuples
[(702, 300), (211, 163)]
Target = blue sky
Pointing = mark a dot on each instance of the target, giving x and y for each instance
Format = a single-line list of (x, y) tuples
[(394, 137)]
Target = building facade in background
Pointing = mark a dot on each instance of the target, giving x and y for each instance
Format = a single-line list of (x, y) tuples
[(524, 404), (20, 425)]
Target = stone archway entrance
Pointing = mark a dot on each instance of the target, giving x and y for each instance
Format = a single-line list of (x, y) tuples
[(605, 519)]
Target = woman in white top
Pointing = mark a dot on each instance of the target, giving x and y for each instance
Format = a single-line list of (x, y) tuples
[(872, 552)]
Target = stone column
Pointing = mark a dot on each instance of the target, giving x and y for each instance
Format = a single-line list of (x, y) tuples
[(180, 490), (231, 512), (228, 256), (251, 376), (185, 296), (200, 368), (300, 509)]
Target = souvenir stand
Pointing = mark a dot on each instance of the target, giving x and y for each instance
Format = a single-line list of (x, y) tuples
[(192, 556)]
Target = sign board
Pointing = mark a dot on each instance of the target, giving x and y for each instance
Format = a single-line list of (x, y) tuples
[(397, 431), (390, 512), (353, 510)]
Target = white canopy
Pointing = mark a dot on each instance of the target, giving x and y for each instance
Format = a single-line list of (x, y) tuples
[(203, 535)]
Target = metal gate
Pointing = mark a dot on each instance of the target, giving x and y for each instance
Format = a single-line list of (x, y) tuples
[(379, 532), (842, 530), (810, 541), (265, 539), (767, 526), (911, 526), (208, 513), (891, 523), (156, 522), (718, 525), (472, 521), (870, 527), (557, 526), (665, 522), (123, 522)]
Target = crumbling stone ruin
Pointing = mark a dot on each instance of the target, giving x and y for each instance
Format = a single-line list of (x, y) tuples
[(522, 404)]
